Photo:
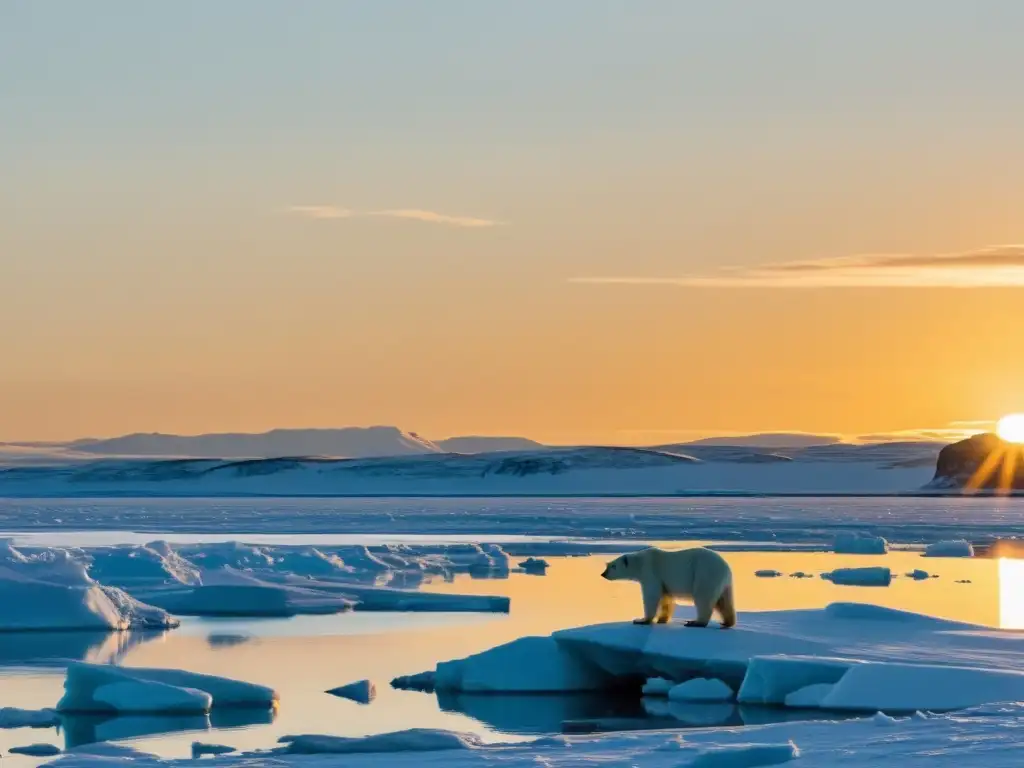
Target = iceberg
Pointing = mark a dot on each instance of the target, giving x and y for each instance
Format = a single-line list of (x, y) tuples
[(362, 692), (952, 548), (875, 576), (857, 544)]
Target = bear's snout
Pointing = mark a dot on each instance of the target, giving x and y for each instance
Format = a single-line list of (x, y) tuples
[(604, 574)]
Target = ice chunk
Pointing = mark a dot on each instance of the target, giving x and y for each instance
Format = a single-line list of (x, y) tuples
[(148, 696), (13, 717), (84, 684), (857, 544), (895, 687), (744, 755), (199, 749), (918, 575), (657, 686), (36, 750), (526, 665), (810, 696), (771, 679), (363, 691), (412, 740), (767, 574), (953, 548), (534, 565), (421, 681), (801, 575), (876, 576), (701, 689)]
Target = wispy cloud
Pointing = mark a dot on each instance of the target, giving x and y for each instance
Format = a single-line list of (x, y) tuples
[(414, 214), (997, 266)]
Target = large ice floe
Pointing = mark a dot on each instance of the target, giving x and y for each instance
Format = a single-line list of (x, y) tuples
[(847, 657), (987, 736), (100, 688), (52, 590), (141, 586)]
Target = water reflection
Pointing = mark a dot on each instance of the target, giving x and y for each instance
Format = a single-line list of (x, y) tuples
[(537, 714), (56, 649), (89, 729)]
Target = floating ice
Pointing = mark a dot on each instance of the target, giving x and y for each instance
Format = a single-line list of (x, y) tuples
[(534, 565), (809, 697), (701, 689), (412, 740), (657, 686), (13, 717), (104, 688), (36, 750), (362, 692), (766, 574), (857, 544), (199, 749), (875, 576), (918, 575), (745, 755), (953, 548)]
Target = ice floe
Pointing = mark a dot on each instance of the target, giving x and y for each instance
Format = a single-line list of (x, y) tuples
[(36, 750), (873, 576), (103, 688), (859, 544), (952, 548), (363, 691), (14, 717)]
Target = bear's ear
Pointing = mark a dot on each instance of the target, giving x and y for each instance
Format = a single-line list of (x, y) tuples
[(625, 560)]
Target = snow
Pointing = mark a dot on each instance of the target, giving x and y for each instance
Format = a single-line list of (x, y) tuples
[(526, 665), (105, 688), (952, 548), (701, 689), (14, 717), (36, 750), (875, 576), (857, 544), (363, 691)]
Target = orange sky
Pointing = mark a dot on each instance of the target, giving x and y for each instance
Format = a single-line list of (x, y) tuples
[(632, 227)]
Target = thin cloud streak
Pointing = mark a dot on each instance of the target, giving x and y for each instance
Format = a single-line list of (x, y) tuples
[(412, 214), (995, 267)]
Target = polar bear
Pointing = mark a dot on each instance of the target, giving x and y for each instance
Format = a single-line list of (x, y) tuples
[(698, 573)]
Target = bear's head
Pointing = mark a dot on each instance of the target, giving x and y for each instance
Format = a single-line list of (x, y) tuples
[(622, 567)]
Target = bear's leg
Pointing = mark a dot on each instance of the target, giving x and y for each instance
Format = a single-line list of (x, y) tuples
[(665, 609), (703, 601), (652, 599), (727, 608)]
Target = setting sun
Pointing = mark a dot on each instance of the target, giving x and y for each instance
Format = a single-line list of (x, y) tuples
[(1011, 428)]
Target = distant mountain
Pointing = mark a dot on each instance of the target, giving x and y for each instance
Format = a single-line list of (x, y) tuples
[(981, 462), (475, 444), (351, 442), (769, 440)]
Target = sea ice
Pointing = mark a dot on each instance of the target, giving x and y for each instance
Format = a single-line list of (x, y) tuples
[(809, 697), (770, 680), (875, 576), (745, 755), (412, 740), (526, 665), (199, 749), (953, 548), (857, 544), (13, 717), (362, 691), (657, 686), (701, 689), (534, 565), (36, 750), (105, 688)]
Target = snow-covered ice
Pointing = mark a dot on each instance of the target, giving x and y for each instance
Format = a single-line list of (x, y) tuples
[(411, 740), (363, 691), (859, 544), (951, 548), (872, 576), (105, 688), (701, 689)]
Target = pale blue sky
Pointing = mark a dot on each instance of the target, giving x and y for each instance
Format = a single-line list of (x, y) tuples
[(150, 152)]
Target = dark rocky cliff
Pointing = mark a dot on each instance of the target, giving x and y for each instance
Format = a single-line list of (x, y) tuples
[(982, 462)]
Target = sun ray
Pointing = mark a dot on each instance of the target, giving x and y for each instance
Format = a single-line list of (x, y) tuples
[(985, 471), (1007, 471)]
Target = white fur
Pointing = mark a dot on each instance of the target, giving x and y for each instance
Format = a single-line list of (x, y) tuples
[(696, 574)]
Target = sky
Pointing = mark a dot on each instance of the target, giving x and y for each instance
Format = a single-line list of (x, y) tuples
[(579, 221)]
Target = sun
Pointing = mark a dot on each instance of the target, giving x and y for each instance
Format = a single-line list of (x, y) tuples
[(1011, 428)]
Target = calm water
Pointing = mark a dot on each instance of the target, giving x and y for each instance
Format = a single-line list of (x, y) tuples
[(302, 657)]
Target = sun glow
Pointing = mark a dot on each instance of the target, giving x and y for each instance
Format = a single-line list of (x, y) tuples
[(1011, 428)]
